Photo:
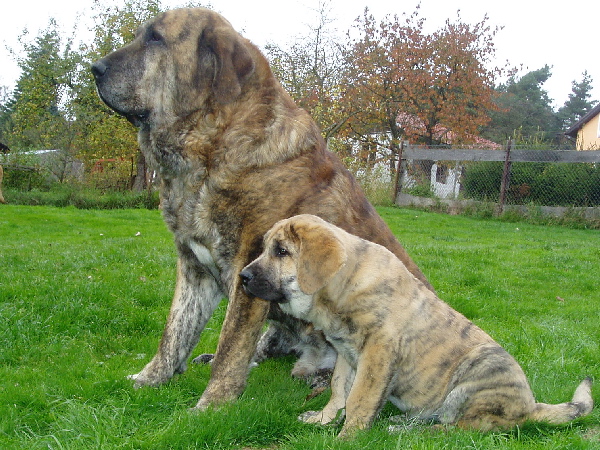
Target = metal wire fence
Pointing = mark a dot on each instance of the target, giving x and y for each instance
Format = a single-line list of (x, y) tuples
[(505, 177), (544, 184)]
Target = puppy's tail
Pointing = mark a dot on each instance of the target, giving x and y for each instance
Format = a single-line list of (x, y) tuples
[(581, 405)]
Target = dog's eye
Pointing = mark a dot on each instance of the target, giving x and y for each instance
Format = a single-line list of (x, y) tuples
[(280, 251), (154, 37)]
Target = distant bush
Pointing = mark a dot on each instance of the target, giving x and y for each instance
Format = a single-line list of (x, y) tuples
[(547, 184), (110, 175), (25, 179), (83, 198), (421, 190), (481, 180)]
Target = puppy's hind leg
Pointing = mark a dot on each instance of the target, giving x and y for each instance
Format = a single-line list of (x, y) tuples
[(452, 407)]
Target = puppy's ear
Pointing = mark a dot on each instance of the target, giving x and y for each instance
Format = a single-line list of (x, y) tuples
[(322, 255), (234, 62)]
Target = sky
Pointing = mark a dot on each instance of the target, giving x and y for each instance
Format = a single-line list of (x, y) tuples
[(558, 34)]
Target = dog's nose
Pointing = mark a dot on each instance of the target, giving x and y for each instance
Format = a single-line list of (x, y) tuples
[(246, 277), (99, 69)]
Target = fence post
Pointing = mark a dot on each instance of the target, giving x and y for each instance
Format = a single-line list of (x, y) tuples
[(1, 176), (398, 180), (505, 183)]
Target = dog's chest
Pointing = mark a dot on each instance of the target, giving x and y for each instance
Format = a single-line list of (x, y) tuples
[(189, 212), (184, 209)]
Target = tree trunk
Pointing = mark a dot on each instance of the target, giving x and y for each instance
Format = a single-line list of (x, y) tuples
[(139, 180)]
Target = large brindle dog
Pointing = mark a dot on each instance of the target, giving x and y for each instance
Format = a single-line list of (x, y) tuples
[(235, 155), (396, 340)]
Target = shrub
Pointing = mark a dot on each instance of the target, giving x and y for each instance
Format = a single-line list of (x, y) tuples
[(109, 175), (547, 184), (420, 190), (481, 180), (83, 198), (25, 179)]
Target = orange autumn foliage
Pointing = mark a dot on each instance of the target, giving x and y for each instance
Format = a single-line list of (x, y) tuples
[(395, 69)]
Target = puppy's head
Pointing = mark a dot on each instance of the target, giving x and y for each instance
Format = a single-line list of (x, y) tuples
[(301, 255)]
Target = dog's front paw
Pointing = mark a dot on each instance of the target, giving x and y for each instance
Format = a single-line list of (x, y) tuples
[(311, 417), (135, 377), (140, 381), (201, 406), (204, 358), (145, 378)]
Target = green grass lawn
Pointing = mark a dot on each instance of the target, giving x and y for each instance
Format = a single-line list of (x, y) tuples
[(83, 301)]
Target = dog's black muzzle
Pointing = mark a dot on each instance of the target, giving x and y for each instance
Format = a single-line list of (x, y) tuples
[(101, 71)]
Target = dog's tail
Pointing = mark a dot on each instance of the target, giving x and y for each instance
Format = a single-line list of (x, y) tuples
[(581, 405)]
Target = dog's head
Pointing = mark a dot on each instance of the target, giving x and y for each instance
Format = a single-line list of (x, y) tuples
[(301, 256), (178, 63)]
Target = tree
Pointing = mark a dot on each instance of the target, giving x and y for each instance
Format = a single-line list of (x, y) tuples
[(102, 132), (6, 106), (37, 115), (37, 110), (525, 106), (310, 70), (578, 103), (406, 84)]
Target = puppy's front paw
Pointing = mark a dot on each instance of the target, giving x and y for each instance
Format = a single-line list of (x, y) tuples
[(324, 417), (311, 417)]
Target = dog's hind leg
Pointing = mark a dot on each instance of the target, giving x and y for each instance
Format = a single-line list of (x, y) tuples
[(490, 391), (452, 407), (196, 296)]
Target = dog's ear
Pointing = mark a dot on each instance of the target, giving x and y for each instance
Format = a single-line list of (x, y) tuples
[(322, 255), (233, 62)]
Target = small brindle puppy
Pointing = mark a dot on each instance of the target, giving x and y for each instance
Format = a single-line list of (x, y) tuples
[(396, 340)]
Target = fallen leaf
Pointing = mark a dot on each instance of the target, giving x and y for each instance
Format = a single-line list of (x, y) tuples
[(315, 392)]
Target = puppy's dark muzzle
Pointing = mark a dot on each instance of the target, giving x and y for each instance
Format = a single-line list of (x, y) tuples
[(249, 283), (246, 277), (258, 287)]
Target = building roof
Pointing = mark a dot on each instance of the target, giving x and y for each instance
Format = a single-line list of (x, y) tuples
[(581, 122)]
